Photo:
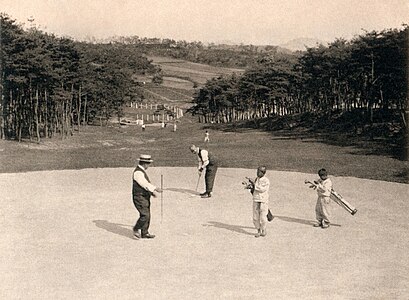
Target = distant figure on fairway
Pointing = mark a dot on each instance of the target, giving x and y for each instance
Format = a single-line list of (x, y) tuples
[(143, 127), (174, 127), (206, 139), (162, 125), (260, 191), (206, 161), (142, 190), (324, 187)]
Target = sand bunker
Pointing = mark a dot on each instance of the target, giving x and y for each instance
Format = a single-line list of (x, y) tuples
[(67, 234)]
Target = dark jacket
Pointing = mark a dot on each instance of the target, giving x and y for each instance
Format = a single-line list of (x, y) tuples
[(137, 190)]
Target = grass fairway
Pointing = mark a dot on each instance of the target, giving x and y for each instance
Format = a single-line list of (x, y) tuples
[(196, 72), (67, 235), (99, 147)]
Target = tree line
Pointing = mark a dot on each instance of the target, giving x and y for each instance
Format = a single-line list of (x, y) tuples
[(366, 73), (220, 55), (52, 85)]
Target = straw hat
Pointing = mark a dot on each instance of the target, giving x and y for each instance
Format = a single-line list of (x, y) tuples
[(145, 158)]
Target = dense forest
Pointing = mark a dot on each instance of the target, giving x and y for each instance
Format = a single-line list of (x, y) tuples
[(368, 72), (50, 85)]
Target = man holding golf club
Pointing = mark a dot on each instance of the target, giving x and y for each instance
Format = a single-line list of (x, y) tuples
[(206, 161), (142, 190)]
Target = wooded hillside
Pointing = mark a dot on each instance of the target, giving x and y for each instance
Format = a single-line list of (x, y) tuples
[(366, 76), (50, 84)]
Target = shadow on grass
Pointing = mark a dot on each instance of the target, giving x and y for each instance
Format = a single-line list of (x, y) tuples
[(119, 229), (392, 146), (234, 228), (404, 175), (300, 221)]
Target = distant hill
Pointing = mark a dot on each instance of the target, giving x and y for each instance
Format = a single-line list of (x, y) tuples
[(300, 44), (179, 69), (225, 42), (181, 78)]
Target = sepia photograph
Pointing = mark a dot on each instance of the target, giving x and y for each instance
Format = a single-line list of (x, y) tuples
[(204, 149)]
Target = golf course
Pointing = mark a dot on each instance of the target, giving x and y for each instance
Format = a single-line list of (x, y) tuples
[(106, 192), (67, 219)]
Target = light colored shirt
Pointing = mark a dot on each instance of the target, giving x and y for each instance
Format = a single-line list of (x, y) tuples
[(205, 158), (261, 190), (324, 187), (139, 177)]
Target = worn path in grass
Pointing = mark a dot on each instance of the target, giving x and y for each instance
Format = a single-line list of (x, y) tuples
[(67, 234)]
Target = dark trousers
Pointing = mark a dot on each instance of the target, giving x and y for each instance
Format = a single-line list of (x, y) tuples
[(209, 177), (143, 205)]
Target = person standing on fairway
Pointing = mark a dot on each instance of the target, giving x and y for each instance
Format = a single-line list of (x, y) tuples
[(324, 187), (207, 139), (206, 161), (260, 190), (142, 190)]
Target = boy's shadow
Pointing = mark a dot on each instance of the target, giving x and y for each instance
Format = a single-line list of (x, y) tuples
[(300, 221), (234, 228), (119, 229)]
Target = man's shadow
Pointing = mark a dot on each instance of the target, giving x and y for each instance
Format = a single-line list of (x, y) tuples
[(183, 191), (119, 229), (234, 228)]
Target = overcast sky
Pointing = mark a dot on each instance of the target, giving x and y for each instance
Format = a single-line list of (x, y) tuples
[(248, 21)]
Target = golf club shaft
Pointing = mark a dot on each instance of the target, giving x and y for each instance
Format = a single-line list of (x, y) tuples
[(197, 184), (161, 198)]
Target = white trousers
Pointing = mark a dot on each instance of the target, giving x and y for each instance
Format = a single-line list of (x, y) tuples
[(260, 210), (322, 209)]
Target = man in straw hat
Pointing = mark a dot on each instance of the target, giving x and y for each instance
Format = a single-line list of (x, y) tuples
[(206, 161), (142, 190)]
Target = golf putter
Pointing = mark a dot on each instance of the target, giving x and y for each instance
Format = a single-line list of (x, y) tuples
[(197, 185)]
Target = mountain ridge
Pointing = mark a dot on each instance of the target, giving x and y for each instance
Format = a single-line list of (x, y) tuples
[(300, 44)]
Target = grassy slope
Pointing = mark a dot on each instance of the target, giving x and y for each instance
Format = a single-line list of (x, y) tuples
[(181, 75)]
